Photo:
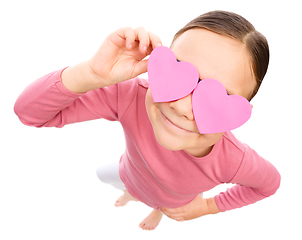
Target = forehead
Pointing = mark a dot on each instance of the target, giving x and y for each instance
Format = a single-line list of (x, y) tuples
[(217, 57)]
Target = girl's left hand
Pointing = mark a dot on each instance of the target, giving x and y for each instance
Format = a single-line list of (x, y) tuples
[(195, 209)]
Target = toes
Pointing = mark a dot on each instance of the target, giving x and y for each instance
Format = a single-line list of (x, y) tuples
[(151, 228), (117, 203), (142, 225)]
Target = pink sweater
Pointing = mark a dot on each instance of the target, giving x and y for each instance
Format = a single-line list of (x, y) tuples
[(152, 174)]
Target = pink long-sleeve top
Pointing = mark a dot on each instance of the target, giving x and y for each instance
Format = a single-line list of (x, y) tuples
[(152, 174)]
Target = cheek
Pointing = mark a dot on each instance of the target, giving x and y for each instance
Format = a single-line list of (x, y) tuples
[(149, 103), (150, 107)]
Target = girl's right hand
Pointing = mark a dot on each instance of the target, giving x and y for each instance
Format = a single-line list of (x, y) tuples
[(121, 55)]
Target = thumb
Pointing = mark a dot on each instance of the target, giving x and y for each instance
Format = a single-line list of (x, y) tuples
[(140, 68)]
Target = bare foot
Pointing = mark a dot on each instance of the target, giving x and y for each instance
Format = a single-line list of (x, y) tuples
[(123, 200), (152, 221)]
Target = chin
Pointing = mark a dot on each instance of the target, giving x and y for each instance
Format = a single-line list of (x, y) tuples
[(169, 143)]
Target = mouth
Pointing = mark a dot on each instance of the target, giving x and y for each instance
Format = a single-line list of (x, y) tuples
[(169, 122)]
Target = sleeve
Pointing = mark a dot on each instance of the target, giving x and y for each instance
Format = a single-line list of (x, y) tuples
[(255, 180), (47, 103)]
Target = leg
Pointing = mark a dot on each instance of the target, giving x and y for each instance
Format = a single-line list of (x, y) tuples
[(109, 174), (152, 221)]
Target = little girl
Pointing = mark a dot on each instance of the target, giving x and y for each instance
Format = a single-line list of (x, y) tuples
[(168, 163)]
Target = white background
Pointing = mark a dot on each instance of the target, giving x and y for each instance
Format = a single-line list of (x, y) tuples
[(48, 186)]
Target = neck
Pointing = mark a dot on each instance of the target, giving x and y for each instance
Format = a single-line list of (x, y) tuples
[(199, 152)]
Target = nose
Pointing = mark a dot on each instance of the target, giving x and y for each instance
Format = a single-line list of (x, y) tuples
[(183, 107)]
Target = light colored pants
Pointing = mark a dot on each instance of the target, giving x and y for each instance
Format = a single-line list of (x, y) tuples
[(109, 174)]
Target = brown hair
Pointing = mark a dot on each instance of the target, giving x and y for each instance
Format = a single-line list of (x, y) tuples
[(235, 26)]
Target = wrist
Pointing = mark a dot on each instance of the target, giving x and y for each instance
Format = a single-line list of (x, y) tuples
[(80, 78), (212, 206)]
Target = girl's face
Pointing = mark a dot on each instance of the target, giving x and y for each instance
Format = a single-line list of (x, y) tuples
[(217, 57)]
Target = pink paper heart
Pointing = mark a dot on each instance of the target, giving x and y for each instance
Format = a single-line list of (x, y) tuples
[(215, 111), (170, 80)]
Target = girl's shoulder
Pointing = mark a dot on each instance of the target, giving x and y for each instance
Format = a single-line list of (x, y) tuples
[(131, 87), (134, 83), (142, 82), (229, 139), (132, 93)]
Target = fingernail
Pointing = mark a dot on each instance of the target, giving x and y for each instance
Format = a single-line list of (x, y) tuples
[(159, 44), (130, 46), (145, 48)]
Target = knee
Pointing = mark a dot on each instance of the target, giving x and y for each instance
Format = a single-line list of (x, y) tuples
[(101, 174)]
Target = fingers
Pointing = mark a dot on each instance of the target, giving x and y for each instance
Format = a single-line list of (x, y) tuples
[(174, 213), (143, 37), (154, 40), (146, 41), (127, 34)]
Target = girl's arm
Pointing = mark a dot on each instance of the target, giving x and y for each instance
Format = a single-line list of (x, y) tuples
[(47, 103), (120, 57), (255, 180), (58, 98)]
